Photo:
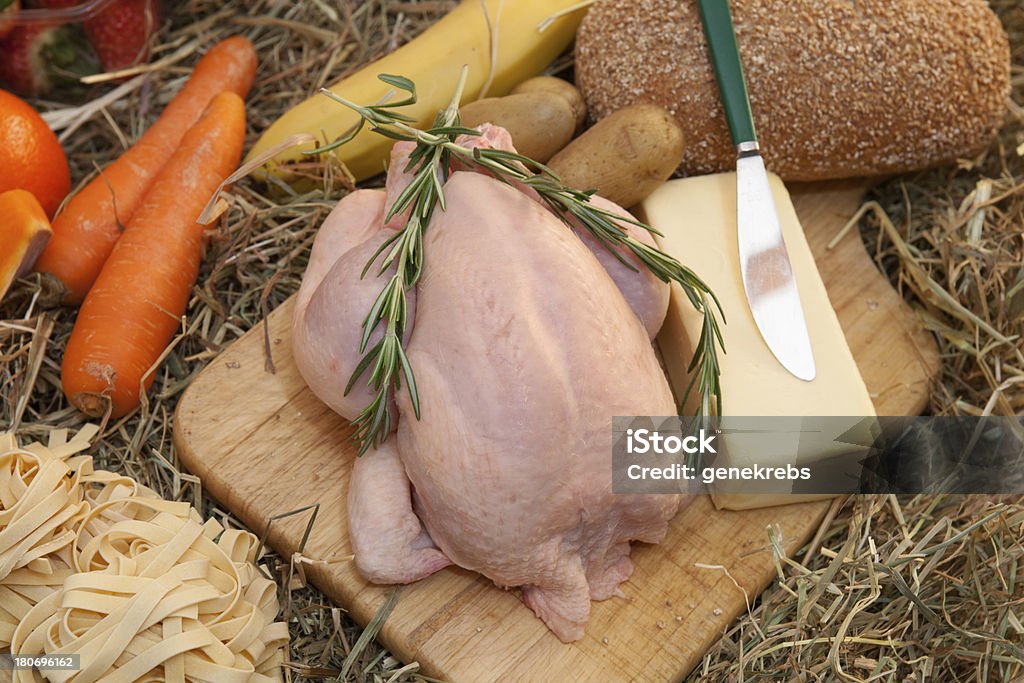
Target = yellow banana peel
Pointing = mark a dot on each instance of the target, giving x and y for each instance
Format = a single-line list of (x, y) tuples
[(433, 61)]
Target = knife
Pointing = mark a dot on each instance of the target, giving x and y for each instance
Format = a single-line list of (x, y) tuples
[(764, 262)]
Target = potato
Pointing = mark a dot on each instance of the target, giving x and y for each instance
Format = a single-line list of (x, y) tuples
[(624, 156), (559, 87), (540, 123)]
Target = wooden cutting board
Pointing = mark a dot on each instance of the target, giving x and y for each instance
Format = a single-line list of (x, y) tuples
[(264, 445)]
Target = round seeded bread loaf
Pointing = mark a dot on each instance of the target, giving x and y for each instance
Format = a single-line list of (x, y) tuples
[(839, 88)]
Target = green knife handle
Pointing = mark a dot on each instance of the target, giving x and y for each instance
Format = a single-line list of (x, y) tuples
[(725, 56)]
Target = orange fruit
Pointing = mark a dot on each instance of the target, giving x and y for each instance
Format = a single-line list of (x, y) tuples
[(24, 231), (31, 158)]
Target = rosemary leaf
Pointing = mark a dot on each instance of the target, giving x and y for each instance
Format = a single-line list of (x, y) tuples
[(386, 361)]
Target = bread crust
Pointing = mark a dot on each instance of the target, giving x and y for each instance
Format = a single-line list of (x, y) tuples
[(839, 88)]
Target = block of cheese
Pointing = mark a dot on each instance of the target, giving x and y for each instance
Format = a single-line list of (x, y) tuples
[(697, 218)]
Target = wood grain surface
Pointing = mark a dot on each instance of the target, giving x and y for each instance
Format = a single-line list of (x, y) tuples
[(264, 446)]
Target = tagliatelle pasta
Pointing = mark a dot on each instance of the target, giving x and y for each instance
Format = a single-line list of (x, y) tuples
[(142, 589), (41, 501)]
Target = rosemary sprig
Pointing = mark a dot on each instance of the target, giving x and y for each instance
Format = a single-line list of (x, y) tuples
[(431, 161), (386, 360)]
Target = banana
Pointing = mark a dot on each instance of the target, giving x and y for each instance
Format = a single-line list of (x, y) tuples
[(433, 61)]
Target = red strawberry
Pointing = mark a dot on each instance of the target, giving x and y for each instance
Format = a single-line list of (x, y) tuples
[(121, 34), (38, 57), (8, 8)]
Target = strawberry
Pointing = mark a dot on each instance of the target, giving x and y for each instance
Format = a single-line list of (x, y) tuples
[(36, 58), (122, 33), (8, 8)]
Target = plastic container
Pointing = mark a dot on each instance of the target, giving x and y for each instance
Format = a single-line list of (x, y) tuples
[(63, 15)]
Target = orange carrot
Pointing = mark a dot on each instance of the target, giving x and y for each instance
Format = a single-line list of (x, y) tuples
[(133, 310), (86, 231)]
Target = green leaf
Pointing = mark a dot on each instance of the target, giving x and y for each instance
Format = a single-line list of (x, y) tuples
[(410, 381), (364, 363), (393, 134), (407, 196), (347, 137), (400, 82), (387, 262), (396, 116), (373, 317), (454, 131)]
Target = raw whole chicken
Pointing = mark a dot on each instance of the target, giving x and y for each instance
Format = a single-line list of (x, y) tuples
[(525, 340)]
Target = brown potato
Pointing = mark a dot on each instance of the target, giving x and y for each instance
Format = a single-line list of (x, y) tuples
[(540, 123), (559, 87), (624, 156)]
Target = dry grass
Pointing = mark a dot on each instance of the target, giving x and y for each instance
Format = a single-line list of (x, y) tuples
[(892, 589)]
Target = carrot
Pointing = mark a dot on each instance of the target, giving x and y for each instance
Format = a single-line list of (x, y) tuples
[(133, 310), (86, 231)]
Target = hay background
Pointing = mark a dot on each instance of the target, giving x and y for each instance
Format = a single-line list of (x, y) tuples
[(891, 588)]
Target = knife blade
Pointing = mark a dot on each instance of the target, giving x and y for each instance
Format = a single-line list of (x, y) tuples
[(768, 277)]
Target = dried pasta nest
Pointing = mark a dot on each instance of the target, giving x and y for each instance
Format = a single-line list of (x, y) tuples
[(141, 588)]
